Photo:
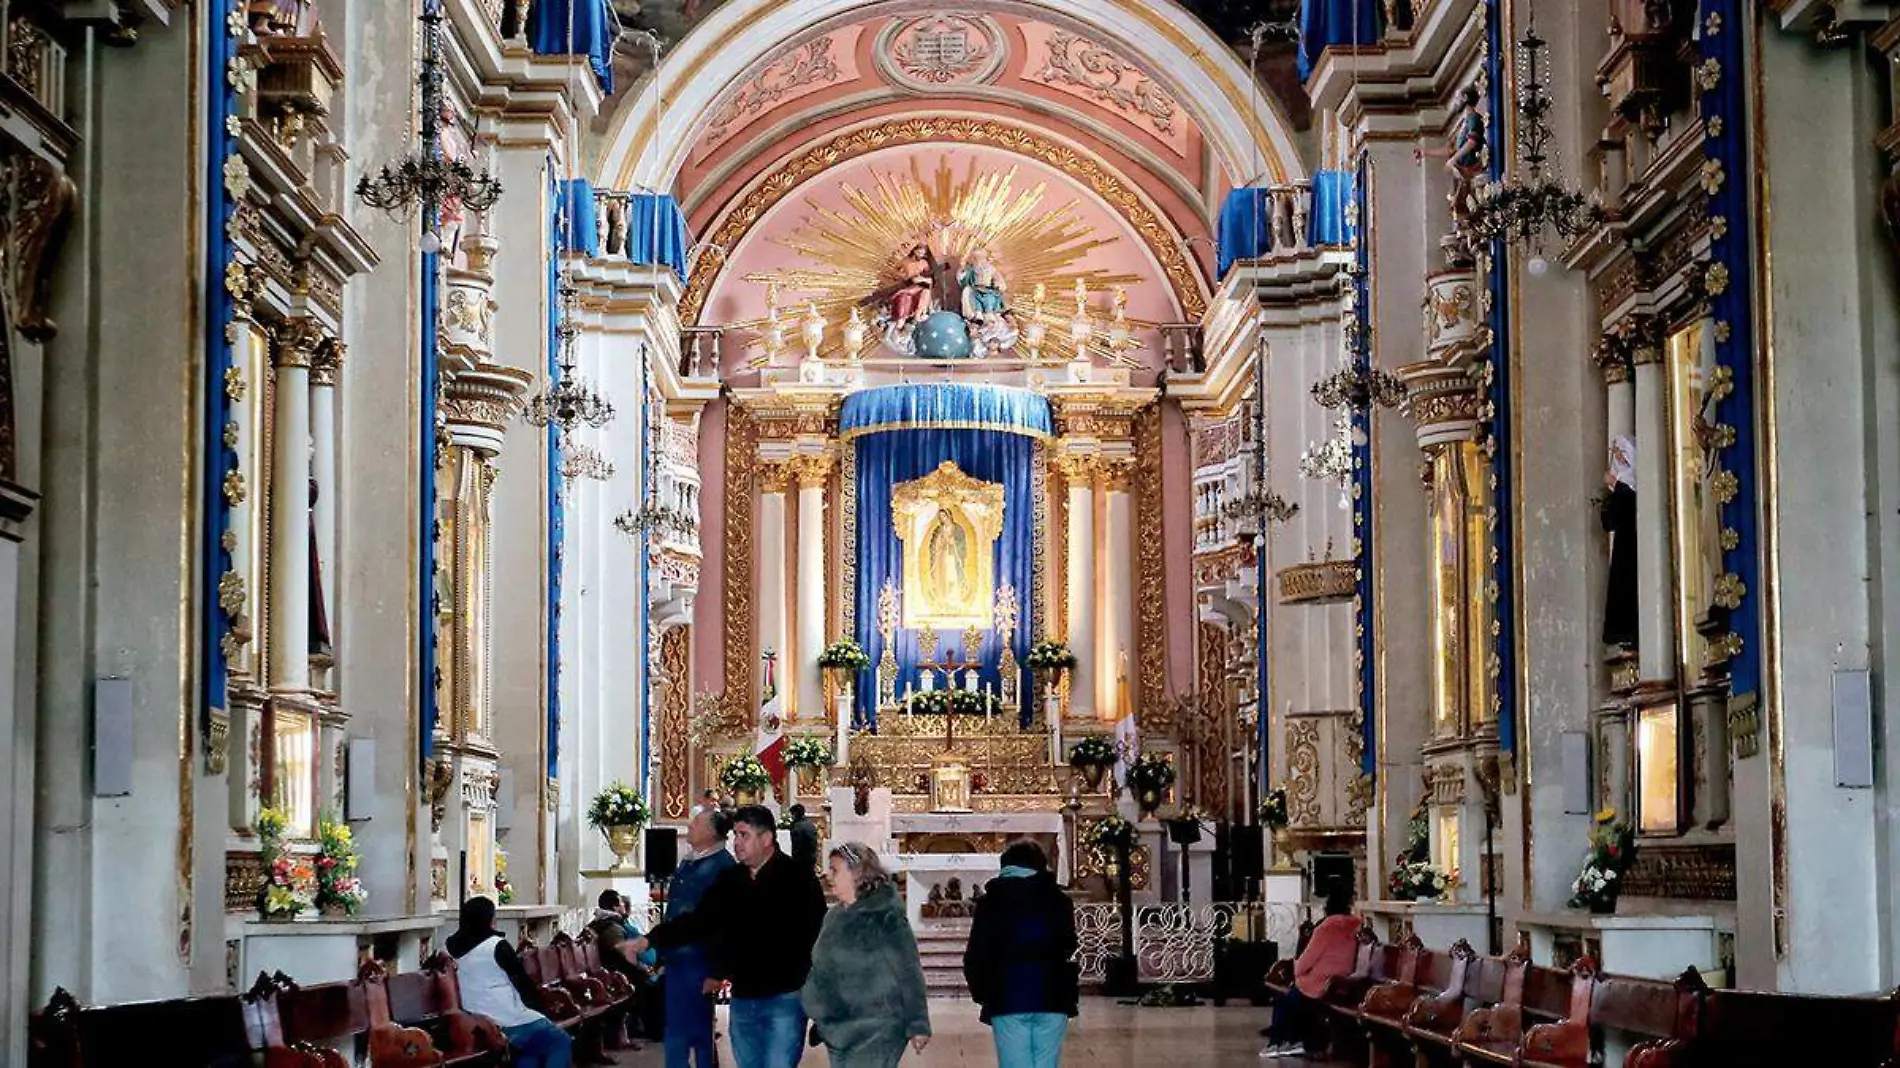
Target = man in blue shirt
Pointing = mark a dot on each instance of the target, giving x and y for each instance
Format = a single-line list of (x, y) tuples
[(689, 1010)]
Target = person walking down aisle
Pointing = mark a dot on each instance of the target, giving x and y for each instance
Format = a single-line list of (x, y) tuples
[(1329, 954), (804, 835), (866, 996), (1019, 963), (760, 918), (493, 984), (689, 1008)]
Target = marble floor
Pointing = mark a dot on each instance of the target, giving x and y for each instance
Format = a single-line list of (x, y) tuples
[(1108, 1034)]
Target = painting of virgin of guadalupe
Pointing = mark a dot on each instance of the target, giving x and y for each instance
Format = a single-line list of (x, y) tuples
[(946, 577)]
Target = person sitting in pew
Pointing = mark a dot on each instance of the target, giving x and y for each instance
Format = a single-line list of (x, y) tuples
[(1329, 954), (494, 984)]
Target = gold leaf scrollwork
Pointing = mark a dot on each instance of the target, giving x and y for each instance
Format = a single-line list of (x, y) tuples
[(1153, 709), (231, 593), (1302, 783)]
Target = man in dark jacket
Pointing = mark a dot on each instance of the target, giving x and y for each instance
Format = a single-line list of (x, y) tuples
[(758, 921), (1020, 961), (804, 835)]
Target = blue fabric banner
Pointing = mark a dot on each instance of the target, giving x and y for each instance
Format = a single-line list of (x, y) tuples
[(1364, 592), (580, 223), (1245, 228), (557, 515), (946, 406), (1329, 223), (591, 33), (1335, 23), (886, 460), (656, 231)]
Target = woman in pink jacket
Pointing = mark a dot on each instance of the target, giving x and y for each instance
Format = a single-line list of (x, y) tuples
[(1331, 952)]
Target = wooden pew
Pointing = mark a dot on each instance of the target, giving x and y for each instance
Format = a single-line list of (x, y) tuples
[(212, 1032), (1383, 1014), (302, 1028), (1490, 1035), (1747, 1029), (1433, 1025), (544, 971), (431, 1000), (1655, 1011), (1390, 966)]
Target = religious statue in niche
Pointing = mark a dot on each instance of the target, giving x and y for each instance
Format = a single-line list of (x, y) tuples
[(1465, 159), (1616, 509), (948, 523)]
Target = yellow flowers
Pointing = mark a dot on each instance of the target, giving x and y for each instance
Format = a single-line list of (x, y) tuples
[(1608, 815)]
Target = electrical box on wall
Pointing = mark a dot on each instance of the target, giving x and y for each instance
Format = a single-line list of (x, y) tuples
[(1853, 729), (112, 737)]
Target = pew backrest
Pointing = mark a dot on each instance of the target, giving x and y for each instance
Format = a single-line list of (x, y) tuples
[(1745, 1029)]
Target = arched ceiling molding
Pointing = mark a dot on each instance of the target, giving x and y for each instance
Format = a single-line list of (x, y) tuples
[(750, 156), (1162, 242), (1201, 72)]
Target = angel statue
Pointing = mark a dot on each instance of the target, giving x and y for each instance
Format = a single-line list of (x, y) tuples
[(985, 293)]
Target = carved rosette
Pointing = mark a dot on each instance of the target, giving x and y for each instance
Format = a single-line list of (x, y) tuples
[(479, 401)]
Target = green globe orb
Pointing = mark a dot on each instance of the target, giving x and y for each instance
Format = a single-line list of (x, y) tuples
[(942, 336)]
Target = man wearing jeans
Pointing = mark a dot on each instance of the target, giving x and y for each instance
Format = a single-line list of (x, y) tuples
[(1020, 962), (758, 921), (689, 1009)]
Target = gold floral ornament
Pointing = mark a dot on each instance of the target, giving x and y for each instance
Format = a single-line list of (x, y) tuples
[(1729, 590), (1731, 539), (1717, 279), (1723, 331), (237, 177), (1722, 436), (1712, 176), (1718, 227), (235, 490), (1725, 486), (229, 540), (1727, 647), (230, 435), (1715, 125), (1722, 383), (231, 593), (235, 23), (241, 75), (234, 384), (1708, 73), (1712, 26)]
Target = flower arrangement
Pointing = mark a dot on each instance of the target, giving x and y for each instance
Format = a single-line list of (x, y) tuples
[(338, 888), (745, 774), (1111, 834), (974, 703), (808, 752), (1273, 810), (619, 805), (1418, 835), (504, 890), (1092, 753), (1150, 773), (929, 702), (1049, 655), (1612, 848), (289, 882), (1417, 880), (845, 655)]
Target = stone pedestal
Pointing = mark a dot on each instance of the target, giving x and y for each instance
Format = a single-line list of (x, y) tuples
[(329, 951), (1646, 947)]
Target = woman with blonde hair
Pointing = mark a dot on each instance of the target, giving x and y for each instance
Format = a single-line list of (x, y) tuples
[(865, 994)]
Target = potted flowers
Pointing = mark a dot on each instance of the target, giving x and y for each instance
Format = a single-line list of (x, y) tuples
[(929, 702), (844, 656), (339, 891), (1273, 811), (974, 703), (1048, 659), (808, 757), (1092, 757), (288, 880), (618, 812), (1600, 883), (1109, 836), (504, 891), (1149, 778), (747, 778), (1418, 880)]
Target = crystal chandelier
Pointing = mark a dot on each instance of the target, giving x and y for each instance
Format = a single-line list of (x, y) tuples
[(580, 461), (568, 401), (1332, 460), (1260, 506), (657, 520), (424, 179), (1528, 204), (1358, 387)]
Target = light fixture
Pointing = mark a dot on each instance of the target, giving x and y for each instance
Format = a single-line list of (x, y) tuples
[(1358, 386), (425, 180), (1528, 204), (1260, 506), (655, 520), (568, 401), (1331, 460), (580, 461)]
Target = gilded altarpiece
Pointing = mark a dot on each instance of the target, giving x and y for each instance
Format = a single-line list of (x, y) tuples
[(1151, 561), (675, 764)]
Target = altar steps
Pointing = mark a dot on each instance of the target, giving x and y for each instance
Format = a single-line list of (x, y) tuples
[(940, 946)]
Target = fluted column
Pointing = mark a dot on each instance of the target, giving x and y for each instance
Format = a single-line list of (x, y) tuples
[(774, 479), (1080, 471), (297, 342), (1115, 677), (1655, 560), (813, 473)]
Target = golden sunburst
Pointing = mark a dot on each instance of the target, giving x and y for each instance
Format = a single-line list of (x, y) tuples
[(856, 250)]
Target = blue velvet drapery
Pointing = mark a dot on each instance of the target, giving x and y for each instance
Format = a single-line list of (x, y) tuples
[(656, 231), (591, 33), (580, 223), (1335, 23), (946, 406), (557, 515), (1245, 228), (1327, 222), (888, 458)]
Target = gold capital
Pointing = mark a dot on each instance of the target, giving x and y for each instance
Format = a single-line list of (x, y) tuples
[(297, 342), (812, 470)]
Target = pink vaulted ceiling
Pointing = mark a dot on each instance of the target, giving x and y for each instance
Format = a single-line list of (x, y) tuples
[(733, 299)]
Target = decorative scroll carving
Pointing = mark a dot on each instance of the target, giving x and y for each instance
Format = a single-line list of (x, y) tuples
[(243, 877), (675, 787), (1210, 677), (1151, 633), (1695, 873), (1303, 772), (1103, 76), (742, 448), (806, 64), (1174, 943), (43, 198)]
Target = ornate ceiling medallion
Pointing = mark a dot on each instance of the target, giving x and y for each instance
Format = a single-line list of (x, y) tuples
[(929, 53)]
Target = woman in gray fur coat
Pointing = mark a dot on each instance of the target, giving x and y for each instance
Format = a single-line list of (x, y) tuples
[(865, 994)]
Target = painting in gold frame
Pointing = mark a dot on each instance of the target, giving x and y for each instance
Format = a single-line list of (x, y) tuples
[(948, 523)]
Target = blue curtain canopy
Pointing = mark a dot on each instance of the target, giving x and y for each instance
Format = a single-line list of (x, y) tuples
[(1327, 223), (656, 231), (946, 406), (1245, 229), (1336, 24), (590, 33), (580, 223)]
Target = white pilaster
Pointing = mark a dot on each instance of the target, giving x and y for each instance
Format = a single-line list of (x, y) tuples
[(1655, 560), (772, 592), (290, 509), (1116, 675), (811, 587), (1080, 473)]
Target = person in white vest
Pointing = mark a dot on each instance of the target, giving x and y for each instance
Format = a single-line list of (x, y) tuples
[(495, 985)]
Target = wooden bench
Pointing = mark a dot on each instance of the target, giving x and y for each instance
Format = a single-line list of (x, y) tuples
[(213, 1032), (1434, 1024), (430, 1000), (1746, 1029), (1652, 1011), (1382, 1016), (1389, 966), (296, 1027)]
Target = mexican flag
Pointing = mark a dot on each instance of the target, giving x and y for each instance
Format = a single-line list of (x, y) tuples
[(770, 747)]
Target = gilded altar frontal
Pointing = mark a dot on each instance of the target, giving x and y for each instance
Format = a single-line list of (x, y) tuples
[(1329, 529)]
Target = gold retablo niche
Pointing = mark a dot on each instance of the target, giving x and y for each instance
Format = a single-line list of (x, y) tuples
[(1698, 514), (1461, 611), (948, 523)]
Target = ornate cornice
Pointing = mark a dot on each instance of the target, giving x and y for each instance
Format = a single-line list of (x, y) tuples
[(1162, 241), (479, 402)]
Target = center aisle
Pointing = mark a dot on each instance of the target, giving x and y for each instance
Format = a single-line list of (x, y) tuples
[(1107, 1034)]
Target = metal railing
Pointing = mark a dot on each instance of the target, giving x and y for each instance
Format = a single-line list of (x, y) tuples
[(1174, 943)]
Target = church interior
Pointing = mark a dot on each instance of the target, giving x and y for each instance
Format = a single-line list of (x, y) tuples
[(1436, 451)]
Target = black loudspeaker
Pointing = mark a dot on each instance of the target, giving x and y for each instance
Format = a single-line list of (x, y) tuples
[(1249, 852), (1332, 872), (663, 852)]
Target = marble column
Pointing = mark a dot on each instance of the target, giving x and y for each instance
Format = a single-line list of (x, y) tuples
[(323, 377), (1116, 674), (773, 596), (1080, 472), (1655, 559), (1619, 394), (297, 342), (813, 472)]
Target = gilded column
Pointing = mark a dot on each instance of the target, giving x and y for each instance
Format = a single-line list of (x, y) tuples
[(774, 479), (1655, 558), (813, 472), (1115, 675), (1080, 472), (297, 343)]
